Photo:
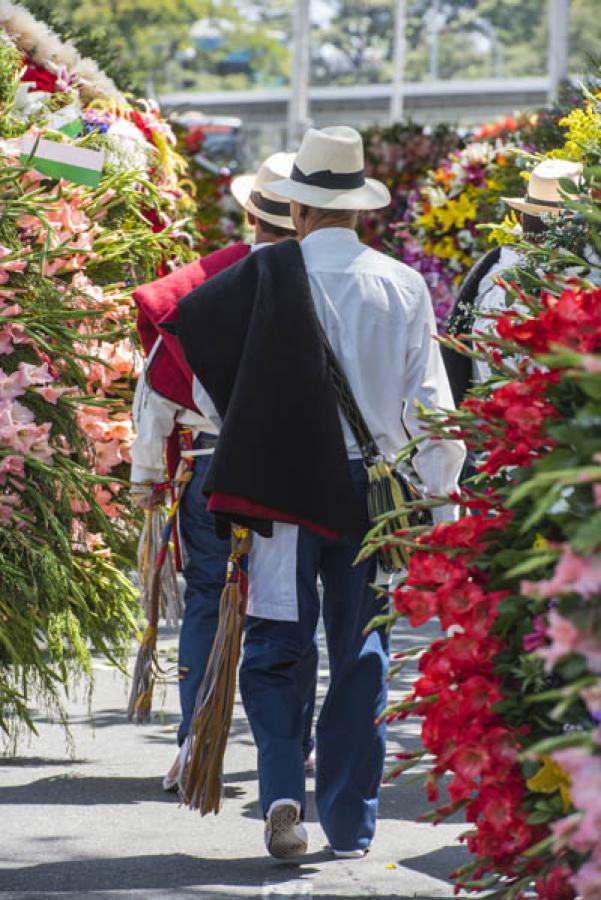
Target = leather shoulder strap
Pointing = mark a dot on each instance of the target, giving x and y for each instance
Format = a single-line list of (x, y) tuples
[(348, 404)]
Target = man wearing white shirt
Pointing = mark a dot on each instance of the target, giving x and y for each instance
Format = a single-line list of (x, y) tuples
[(155, 417), (378, 317)]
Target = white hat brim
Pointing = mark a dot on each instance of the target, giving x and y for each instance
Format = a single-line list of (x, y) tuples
[(372, 195), (241, 188), (535, 209)]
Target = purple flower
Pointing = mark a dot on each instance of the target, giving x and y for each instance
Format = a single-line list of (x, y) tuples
[(536, 638)]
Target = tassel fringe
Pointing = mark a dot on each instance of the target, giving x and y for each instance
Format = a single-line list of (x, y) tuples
[(202, 781), (384, 494), (146, 671)]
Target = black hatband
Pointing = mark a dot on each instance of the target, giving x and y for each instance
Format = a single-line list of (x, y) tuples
[(554, 204), (329, 180), (273, 207)]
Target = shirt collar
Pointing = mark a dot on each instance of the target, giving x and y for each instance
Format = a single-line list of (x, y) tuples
[(333, 235)]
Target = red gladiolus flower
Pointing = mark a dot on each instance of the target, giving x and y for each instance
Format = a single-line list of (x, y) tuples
[(434, 569), (418, 606), (555, 885), (572, 320)]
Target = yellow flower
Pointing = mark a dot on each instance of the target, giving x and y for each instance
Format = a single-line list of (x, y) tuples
[(427, 219), (456, 213), (445, 248), (549, 779), (540, 543), (505, 232), (583, 130)]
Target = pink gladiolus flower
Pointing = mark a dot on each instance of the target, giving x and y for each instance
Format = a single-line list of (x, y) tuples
[(52, 394), (10, 334), (573, 574), (564, 829), (592, 364), (34, 375), (14, 265), (106, 501), (108, 455), (11, 465), (590, 648), (592, 697), (11, 386), (597, 494), (11, 311), (8, 502), (564, 637), (587, 880)]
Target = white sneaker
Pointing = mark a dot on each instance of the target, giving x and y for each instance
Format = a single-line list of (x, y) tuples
[(310, 763), (350, 854), (285, 835), (171, 781)]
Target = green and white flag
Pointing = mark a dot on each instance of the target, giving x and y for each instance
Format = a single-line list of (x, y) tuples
[(62, 160), (68, 120)]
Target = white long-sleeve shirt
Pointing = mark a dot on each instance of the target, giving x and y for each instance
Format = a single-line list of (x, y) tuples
[(154, 418), (491, 299), (378, 317)]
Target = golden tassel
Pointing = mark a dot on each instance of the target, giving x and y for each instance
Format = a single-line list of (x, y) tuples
[(202, 782), (144, 677), (146, 669)]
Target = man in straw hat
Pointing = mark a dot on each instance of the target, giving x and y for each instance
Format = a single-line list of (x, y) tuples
[(167, 400), (378, 317), (480, 293)]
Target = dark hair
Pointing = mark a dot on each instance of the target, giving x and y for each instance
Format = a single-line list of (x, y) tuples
[(276, 230), (533, 224)]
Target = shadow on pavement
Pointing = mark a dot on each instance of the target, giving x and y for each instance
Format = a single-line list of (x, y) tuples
[(40, 762), (67, 790), (154, 873), (438, 863)]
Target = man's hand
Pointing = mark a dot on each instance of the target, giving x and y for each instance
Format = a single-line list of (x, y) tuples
[(146, 497)]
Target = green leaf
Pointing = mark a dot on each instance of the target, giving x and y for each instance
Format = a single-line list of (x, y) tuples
[(558, 742), (539, 817), (532, 563)]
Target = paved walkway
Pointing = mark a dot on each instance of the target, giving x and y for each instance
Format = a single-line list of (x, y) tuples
[(95, 824)]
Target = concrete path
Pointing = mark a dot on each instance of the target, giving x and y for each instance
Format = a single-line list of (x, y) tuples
[(92, 822)]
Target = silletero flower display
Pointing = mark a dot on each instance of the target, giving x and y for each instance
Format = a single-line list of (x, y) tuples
[(509, 695), (75, 238), (401, 155), (438, 232)]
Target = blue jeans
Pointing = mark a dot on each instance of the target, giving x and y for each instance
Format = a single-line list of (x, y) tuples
[(204, 575), (279, 658)]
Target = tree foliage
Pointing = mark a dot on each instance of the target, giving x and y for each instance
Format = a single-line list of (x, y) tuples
[(137, 41)]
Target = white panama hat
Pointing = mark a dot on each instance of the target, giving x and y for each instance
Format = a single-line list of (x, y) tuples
[(329, 173), (544, 195), (253, 195)]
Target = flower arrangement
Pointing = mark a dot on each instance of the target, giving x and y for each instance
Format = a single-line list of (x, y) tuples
[(216, 216), (439, 233), (400, 155), (70, 254), (509, 697), (444, 187)]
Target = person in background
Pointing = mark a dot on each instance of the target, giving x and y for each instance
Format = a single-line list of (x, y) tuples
[(481, 294), (165, 405)]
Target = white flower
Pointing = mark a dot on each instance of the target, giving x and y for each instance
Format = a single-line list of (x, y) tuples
[(46, 48)]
